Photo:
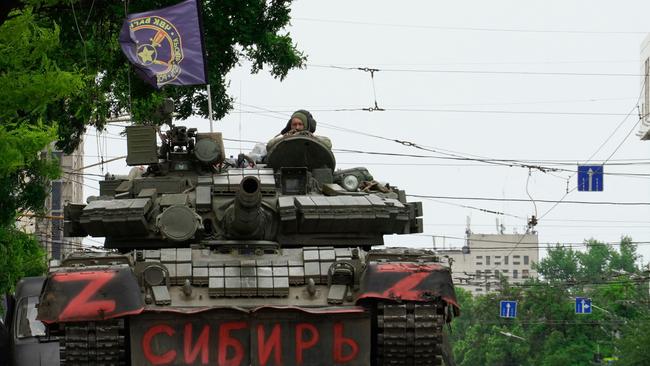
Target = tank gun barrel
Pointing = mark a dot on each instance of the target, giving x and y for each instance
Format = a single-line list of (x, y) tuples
[(245, 216)]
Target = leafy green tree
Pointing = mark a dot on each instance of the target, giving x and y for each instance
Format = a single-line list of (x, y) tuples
[(31, 84), (234, 31), (560, 264), (625, 259), (598, 263), (594, 262), (20, 255), (633, 344), (553, 334)]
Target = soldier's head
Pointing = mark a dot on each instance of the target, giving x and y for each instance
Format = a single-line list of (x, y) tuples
[(299, 122)]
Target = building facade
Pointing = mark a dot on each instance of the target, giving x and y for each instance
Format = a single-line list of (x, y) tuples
[(486, 258), (69, 188)]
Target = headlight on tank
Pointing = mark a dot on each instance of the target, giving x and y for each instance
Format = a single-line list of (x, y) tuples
[(350, 183), (207, 151), (154, 275)]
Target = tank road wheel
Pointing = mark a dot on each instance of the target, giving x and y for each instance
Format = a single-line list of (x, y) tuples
[(409, 334), (93, 343)]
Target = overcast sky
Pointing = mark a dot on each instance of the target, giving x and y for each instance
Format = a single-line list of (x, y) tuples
[(532, 102)]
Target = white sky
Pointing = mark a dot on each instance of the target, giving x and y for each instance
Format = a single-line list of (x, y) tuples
[(425, 35)]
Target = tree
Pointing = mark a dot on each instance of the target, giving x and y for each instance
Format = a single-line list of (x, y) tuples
[(597, 264), (625, 259), (20, 255), (560, 264), (553, 333), (234, 30), (31, 84), (632, 345)]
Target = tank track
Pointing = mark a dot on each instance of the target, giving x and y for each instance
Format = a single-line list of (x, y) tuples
[(93, 343), (410, 334)]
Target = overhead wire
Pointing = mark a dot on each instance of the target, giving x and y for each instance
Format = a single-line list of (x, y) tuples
[(385, 108), (534, 245), (475, 72), (449, 155), (471, 29), (469, 198), (635, 107)]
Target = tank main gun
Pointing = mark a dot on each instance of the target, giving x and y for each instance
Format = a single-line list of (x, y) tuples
[(246, 218)]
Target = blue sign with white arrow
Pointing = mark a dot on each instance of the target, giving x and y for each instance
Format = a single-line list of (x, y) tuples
[(590, 178), (508, 309), (583, 305)]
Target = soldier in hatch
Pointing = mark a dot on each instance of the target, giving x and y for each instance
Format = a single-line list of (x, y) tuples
[(301, 120)]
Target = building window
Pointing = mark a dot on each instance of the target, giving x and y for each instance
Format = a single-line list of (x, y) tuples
[(497, 257), (526, 259), (479, 257), (487, 260), (478, 289), (524, 273), (516, 257), (478, 272), (505, 259), (479, 263), (496, 273), (515, 273), (56, 195)]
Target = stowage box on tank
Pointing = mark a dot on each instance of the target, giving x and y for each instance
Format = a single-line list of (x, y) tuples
[(276, 263)]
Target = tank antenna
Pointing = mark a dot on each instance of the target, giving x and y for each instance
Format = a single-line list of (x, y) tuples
[(210, 108)]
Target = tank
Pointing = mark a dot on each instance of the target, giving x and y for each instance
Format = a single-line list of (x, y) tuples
[(276, 263)]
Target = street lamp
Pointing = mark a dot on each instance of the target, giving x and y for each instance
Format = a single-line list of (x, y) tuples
[(507, 334)]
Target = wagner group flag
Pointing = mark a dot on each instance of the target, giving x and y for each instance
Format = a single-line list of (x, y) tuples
[(166, 45)]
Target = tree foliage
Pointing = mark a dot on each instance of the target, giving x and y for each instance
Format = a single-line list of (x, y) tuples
[(234, 30), (31, 84), (20, 255), (553, 334), (598, 262)]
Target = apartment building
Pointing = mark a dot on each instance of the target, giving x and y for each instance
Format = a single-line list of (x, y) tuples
[(69, 188), (486, 257)]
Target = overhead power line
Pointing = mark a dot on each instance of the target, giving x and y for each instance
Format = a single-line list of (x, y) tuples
[(437, 105), (540, 245), (528, 200), (446, 154), (474, 63), (635, 107), (444, 110), (470, 29), (476, 72)]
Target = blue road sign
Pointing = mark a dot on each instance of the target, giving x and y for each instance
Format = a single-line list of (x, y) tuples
[(583, 305), (590, 178), (508, 309)]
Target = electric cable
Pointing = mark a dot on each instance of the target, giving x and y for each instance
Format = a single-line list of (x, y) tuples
[(472, 29), (475, 72)]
